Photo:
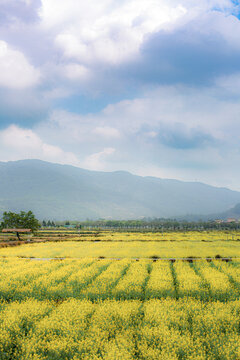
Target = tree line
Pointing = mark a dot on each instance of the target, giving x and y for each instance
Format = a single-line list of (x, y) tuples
[(160, 225), (27, 220)]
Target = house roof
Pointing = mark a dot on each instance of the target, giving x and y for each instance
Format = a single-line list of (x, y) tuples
[(16, 230)]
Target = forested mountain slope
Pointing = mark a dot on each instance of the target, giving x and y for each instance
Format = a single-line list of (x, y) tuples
[(65, 192)]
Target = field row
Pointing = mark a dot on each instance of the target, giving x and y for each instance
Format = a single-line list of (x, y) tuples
[(128, 236), (132, 249), (123, 330), (120, 280), (145, 236)]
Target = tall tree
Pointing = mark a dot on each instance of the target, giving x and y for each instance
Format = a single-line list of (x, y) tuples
[(23, 220)]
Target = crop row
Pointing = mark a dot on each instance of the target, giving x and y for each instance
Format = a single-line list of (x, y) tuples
[(131, 249), (121, 280), (141, 236), (113, 329)]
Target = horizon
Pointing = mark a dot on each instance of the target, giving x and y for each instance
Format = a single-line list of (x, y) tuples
[(151, 88)]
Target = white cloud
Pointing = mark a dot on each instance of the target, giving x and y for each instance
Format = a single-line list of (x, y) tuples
[(57, 93), (97, 161), (17, 143), (107, 132), (204, 109), (229, 83), (77, 72), (178, 132), (112, 31), (16, 72), (171, 108), (28, 2), (106, 30)]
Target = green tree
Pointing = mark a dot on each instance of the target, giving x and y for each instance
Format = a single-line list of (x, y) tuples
[(23, 220)]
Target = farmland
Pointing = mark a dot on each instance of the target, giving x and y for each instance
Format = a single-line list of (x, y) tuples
[(92, 306), (129, 249), (118, 280), (51, 244), (106, 235)]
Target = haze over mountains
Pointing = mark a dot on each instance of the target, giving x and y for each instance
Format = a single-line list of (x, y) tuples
[(60, 192)]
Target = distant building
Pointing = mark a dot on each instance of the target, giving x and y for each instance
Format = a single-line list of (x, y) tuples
[(230, 220), (219, 221)]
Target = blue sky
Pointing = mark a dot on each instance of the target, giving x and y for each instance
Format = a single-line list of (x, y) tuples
[(151, 87)]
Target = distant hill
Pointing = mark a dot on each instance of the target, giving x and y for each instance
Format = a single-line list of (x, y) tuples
[(61, 192), (231, 213)]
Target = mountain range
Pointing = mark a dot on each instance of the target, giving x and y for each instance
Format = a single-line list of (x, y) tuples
[(233, 213), (62, 192)]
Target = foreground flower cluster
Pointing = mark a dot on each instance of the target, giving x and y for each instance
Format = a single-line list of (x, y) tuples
[(112, 329), (126, 309)]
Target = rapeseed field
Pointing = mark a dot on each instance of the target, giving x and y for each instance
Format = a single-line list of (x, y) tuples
[(119, 309), (120, 249), (118, 300)]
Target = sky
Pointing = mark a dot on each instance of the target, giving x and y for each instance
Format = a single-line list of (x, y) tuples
[(146, 86)]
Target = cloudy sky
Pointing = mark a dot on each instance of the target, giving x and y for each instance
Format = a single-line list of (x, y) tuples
[(147, 86)]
